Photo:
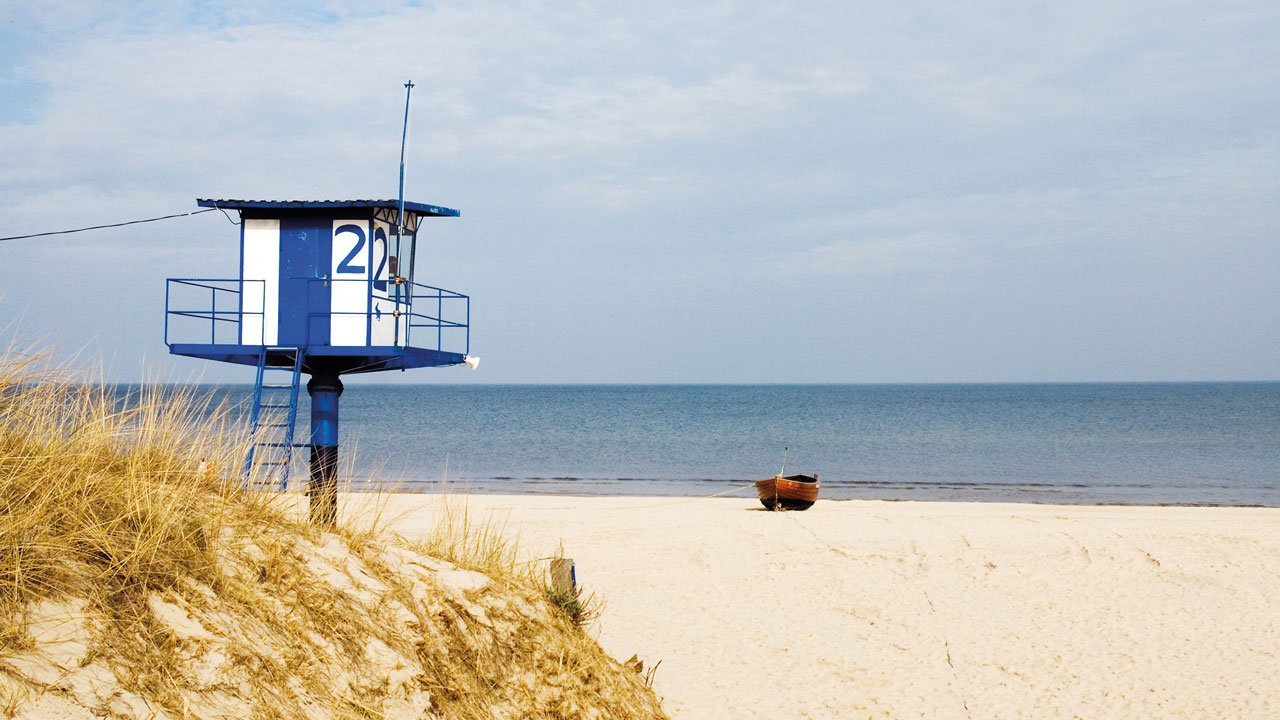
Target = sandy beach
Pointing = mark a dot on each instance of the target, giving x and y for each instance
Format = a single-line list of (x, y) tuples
[(937, 610)]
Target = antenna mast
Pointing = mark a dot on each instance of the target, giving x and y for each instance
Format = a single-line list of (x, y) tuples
[(398, 269), (404, 140)]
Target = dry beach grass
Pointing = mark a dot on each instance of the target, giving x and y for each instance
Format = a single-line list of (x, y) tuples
[(134, 585)]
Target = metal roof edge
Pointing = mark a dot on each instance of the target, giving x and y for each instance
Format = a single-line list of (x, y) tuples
[(414, 207)]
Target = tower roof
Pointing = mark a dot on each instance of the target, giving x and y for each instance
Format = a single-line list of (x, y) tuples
[(416, 208)]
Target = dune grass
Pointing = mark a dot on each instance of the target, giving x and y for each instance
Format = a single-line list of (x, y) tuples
[(93, 495), (197, 598)]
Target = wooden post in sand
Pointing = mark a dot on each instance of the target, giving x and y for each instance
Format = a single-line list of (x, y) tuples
[(564, 578)]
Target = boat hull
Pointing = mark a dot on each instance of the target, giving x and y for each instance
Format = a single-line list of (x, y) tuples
[(793, 492)]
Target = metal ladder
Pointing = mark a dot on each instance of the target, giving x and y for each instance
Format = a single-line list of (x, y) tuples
[(275, 415)]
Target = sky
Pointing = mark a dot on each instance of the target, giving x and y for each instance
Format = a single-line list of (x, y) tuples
[(652, 192)]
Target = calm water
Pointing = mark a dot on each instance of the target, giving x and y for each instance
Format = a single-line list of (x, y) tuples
[(1214, 443)]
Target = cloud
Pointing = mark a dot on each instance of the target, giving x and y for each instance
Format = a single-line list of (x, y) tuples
[(595, 114), (614, 193), (249, 97), (983, 96), (877, 256)]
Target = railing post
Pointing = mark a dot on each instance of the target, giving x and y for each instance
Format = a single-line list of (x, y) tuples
[(262, 313), (439, 320), (368, 311), (167, 285), (408, 317), (396, 307)]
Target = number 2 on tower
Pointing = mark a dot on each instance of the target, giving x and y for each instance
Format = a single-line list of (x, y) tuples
[(345, 266)]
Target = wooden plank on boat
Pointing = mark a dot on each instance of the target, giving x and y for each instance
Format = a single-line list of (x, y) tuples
[(790, 492)]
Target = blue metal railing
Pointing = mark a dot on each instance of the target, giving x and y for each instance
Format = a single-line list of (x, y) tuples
[(452, 316), (211, 309), (438, 321), (225, 309)]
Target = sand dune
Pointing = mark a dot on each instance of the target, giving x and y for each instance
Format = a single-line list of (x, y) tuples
[(937, 610)]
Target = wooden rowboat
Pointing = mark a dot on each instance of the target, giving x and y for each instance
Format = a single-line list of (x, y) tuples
[(792, 492)]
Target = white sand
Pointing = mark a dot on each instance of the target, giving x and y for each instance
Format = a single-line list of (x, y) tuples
[(931, 610)]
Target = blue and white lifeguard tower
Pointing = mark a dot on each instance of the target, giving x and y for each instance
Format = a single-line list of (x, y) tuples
[(326, 288)]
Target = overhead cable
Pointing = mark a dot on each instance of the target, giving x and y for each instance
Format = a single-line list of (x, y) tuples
[(112, 225)]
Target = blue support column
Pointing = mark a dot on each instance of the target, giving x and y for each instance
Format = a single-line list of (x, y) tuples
[(322, 491)]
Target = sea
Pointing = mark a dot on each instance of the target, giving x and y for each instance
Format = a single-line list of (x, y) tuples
[(1113, 443)]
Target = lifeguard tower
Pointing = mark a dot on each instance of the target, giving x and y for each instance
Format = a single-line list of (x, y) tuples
[(326, 288)]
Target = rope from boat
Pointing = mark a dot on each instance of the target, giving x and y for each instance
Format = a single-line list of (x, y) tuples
[(679, 501)]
